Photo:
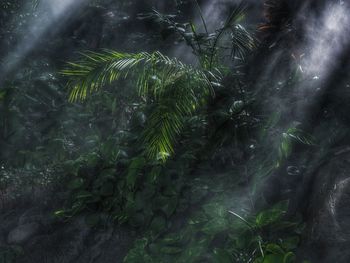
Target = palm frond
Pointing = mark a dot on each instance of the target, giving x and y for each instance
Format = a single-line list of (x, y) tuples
[(36, 3), (242, 40), (236, 16), (155, 70), (173, 89), (208, 45)]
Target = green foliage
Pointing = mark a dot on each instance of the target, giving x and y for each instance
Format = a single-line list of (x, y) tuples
[(10, 253), (138, 253), (271, 215), (290, 137), (265, 237), (139, 194), (134, 169), (99, 69), (115, 150), (267, 229), (210, 48), (176, 103), (173, 89)]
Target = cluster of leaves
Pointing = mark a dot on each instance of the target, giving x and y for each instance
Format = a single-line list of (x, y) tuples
[(290, 137), (231, 39), (267, 232), (175, 90), (214, 235), (131, 190), (24, 131), (10, 253)]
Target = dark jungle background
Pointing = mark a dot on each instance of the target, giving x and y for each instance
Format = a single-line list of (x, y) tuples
[(182, 131)]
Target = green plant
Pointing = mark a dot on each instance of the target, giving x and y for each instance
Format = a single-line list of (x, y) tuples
[(291, 136), (176, 102), (265, 238), (9, 254), (230, 39), (212, 234), (172, 89)]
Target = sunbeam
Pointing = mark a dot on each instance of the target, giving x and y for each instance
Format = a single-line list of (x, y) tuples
[(174, 131), (327, 38), (51, 16)]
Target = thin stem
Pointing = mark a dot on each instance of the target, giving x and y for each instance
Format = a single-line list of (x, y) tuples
[(260, 248), (202, 17), (241, 218), (212, 53)]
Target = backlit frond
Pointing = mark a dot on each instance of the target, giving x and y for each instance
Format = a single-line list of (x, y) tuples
[(175, 90)]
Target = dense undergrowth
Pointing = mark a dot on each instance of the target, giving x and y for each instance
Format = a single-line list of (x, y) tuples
[(180, 152)]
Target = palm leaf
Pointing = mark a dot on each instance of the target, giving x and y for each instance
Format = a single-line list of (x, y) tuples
[(173, 89), (242, 41), (207, 46)]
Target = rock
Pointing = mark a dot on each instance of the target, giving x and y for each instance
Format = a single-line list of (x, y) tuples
[(22, 233), (328, 213), (30, 216), (63, 242), (74, 241), (2, 238)]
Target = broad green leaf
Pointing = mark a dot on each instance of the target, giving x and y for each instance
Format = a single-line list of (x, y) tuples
[(83, 195), (214, 226), (2, 94), (290, 243), (289, 258), (137, 220), (271, 215), (107, 189), (60, 213), (158, 224), (170, 207), (134, 169), (138, 253), (272, 258), (108, 174), (198, 218), (174, 239), (171, 250), (222, 256), (76, 183), (274, 249), (92, 219)]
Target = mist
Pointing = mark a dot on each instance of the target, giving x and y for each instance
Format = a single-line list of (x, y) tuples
[(50, 16), (132, 136), (327, 38)]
